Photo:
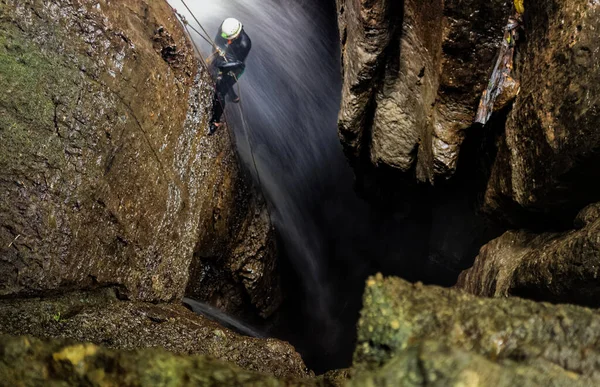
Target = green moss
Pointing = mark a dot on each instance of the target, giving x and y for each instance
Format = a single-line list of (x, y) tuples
[(434, 364), (381, 324), (399, 318), (28, 76), (27, 361), (31, 80)]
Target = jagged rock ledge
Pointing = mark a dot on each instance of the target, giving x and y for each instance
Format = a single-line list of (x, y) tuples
[(408, 334), (99, 317)]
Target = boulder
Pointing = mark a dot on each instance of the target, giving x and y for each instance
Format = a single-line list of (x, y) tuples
[(107, 176), (554, 267), (547, 160), (421, 331), (431, 363), (413, 75), (99, 317), (26, 361)]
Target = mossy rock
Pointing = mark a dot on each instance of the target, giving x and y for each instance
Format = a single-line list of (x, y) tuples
[(27, 361), (399, 318), (101, 318), (433, 364)]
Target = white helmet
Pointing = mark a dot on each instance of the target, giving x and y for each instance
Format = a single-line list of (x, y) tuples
[(231, 28)]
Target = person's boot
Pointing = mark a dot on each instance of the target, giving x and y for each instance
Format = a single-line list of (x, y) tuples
[(234, 97), (213, 128)]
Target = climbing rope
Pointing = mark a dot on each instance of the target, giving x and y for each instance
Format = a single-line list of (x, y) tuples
[(197, 21), (208, 39), (196, 31), (245, 126)]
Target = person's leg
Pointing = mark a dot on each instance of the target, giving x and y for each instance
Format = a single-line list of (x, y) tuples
[(223, 87), (218, 106), (233, 95), (217, 111)]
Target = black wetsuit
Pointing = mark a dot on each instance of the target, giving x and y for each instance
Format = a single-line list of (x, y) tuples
[(228, 69)]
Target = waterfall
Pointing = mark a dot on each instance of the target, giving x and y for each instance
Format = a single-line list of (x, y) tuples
[(290, 99), (219, 316), (330, 238)]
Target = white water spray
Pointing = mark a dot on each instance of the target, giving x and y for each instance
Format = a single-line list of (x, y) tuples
[(223, 318), (290, 95)]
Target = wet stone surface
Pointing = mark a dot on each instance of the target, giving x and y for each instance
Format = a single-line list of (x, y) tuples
[(101, 318), (107, 176)]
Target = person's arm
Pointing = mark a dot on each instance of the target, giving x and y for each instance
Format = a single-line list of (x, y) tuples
[(246, 46), (219, 60), (232, 66)]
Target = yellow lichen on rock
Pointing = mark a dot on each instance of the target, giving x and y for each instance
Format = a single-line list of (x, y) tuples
[(75, 355)]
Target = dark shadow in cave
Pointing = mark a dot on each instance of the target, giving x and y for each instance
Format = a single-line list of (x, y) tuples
[(384, 222)]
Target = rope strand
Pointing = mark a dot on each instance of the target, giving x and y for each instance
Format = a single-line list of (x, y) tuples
[(245, 126), (200, 24)]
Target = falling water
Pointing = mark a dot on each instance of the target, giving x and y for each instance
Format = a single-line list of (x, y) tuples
[(290, 99), (331, 239), (221, 317)]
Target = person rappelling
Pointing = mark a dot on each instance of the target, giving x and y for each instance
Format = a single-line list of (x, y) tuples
[(230, 50)]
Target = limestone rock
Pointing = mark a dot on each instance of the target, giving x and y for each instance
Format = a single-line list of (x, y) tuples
[(478, 336), (588, 215), (100, 318), (106, 174), (432, 363), (555, 267), (547, 161), (239, 266), (99, 169), (413, 75), (26, 361)]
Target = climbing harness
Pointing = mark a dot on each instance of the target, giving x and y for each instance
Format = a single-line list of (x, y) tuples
[(218, 51)]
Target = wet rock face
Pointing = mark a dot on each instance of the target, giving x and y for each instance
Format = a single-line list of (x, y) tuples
[(555, 267), (106, 175), (99, 166), (413, 75), (547, 161), (99, 317), (237, 271), (412, 333)]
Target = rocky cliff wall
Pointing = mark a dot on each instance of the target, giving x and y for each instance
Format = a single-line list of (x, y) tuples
[(548, 155), (545, 170), (107, 176), (413, 75)]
